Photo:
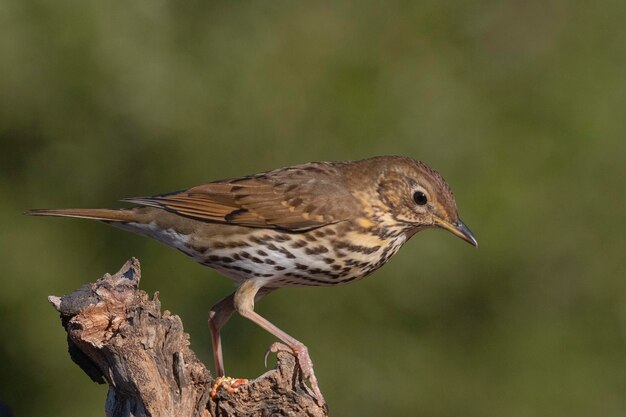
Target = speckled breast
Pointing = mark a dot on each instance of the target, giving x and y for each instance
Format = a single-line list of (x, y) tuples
[(330, 255)]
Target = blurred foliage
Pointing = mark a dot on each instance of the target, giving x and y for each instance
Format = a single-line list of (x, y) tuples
[(519, 104)]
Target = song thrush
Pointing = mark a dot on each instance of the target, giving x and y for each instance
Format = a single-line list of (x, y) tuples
[(316, 224)]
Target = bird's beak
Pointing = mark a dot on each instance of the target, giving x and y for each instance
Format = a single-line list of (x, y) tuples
[(459, 229)]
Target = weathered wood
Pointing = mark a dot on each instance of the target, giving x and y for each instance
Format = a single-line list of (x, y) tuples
[(119, 336)]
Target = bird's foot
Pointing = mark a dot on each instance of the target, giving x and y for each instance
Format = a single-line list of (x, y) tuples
[(275, 348), (229, 384), (304, 362)]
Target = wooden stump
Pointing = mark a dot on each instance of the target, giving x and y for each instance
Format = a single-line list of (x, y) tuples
[(118, 336)]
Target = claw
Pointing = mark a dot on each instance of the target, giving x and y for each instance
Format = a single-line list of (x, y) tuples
[(275, 348), (230, 384), (306, 365), (304, 362)]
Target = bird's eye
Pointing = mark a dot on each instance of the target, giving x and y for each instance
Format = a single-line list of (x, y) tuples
[(420, 198)]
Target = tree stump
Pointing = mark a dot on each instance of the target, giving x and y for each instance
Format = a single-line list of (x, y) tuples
[(119, 336)]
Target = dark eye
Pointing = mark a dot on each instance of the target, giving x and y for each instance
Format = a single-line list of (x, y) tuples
[(420, 198)]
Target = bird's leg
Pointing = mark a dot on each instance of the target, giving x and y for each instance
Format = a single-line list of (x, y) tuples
[(219, 315), (244, 304)]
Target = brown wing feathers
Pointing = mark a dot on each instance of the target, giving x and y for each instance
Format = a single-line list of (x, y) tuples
[(254, 205), (211, 202), (286, 199), (290, 199)]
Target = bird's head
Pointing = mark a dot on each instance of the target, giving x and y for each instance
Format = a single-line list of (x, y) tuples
[(418, 197)]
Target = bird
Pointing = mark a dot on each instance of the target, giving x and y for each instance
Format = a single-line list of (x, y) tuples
[(314, 224)]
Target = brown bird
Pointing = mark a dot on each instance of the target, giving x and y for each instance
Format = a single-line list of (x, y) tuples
[(316, 224)]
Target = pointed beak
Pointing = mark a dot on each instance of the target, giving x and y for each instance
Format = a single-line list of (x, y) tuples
[(458, 228)]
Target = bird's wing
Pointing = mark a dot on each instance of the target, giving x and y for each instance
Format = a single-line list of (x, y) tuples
[(296, 199)]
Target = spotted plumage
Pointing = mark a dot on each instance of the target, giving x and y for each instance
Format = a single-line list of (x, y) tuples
[(316, 224)]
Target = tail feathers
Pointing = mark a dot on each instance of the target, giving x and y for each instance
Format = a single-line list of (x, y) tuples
[(95, 214)]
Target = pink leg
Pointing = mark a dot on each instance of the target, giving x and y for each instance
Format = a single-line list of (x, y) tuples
[(244, 303), (218, 316)]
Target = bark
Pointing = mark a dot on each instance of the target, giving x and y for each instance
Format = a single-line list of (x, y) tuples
[(119, 336)]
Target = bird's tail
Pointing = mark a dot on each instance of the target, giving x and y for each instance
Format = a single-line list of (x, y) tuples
[(124, 215)]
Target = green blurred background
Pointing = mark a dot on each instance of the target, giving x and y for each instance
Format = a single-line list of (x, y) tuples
[(519, 104)]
